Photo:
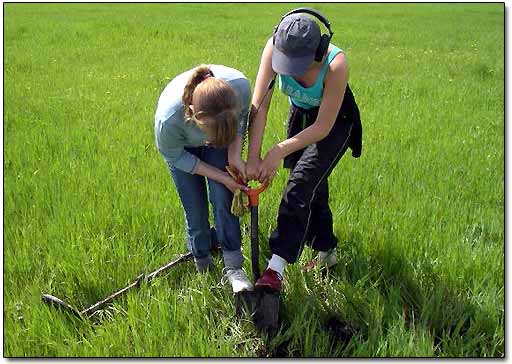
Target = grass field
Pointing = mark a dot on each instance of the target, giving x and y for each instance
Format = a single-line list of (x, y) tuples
[(89, 203)]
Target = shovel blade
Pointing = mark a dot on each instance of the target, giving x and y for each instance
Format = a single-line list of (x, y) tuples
[(245, 303), (262, 306), (266, 315)]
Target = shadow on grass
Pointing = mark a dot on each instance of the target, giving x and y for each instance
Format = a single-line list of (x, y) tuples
[(420, 295), (359, 301)]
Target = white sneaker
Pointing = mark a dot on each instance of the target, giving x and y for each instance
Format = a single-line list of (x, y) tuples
[(327, 259), (238, 279)]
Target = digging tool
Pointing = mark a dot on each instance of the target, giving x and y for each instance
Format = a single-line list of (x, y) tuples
[(263, 306), (89, 311)]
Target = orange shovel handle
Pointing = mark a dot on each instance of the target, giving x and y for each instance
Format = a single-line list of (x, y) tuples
[(253, 193)]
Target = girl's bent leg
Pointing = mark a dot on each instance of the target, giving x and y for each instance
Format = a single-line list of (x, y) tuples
[(227, 225), (295, 210), (321, 230), (192, 192)]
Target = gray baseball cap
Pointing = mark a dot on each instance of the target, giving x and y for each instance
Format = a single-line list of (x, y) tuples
[(295, 43)]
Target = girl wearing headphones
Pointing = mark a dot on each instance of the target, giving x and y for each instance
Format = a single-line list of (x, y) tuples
[(200, 118), (323, 122)]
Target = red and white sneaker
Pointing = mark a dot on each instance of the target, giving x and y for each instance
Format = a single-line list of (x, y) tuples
[(270, 280)]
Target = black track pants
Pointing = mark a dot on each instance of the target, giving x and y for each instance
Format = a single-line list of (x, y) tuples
[(304, 215)]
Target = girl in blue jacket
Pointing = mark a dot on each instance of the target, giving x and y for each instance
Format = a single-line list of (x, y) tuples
[(199, 122)]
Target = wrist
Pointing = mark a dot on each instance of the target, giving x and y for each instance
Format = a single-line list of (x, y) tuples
[(279, 150), (253, 158), (232, 153), (225, 178)]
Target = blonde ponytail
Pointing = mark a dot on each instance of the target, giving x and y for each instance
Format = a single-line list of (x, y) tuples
[(198, 75)]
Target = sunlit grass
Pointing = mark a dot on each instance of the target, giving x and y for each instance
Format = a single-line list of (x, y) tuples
[(89, 203)]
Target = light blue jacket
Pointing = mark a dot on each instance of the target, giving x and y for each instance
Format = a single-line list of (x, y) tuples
[(173, 133)]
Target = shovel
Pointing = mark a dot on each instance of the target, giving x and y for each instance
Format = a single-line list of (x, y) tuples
[(262, 305)]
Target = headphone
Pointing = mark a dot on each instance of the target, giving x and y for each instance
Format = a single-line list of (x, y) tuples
[(320, 51), (324, 39)]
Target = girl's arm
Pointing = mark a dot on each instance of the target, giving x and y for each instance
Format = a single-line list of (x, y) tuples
[(334, 90), (260, 102), (207, 170), (243, 90), (234, 157)]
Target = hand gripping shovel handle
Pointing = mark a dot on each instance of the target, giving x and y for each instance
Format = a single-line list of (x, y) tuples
[(252, 193)]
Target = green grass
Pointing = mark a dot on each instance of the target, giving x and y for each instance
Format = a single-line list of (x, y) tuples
[(89, 203)]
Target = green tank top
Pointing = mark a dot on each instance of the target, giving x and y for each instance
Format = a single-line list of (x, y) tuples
[(307, 97)]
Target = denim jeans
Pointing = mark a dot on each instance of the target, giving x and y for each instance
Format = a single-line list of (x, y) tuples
[(193, 194)]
